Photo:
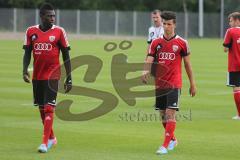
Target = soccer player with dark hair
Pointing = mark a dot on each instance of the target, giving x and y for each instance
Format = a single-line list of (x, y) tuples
[(171, 50), (44, 42), (232, 46)]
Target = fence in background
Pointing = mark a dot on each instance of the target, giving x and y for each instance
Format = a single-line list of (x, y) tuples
[(130, 23)]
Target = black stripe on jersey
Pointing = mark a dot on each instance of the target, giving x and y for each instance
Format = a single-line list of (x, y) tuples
[(149, 42), (63, 49), (183, 54), (27, 47), (151, 55), (229, 45)]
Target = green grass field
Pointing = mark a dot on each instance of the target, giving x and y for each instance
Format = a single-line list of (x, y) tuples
[(210, 134)]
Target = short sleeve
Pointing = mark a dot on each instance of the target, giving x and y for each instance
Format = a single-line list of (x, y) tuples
[(185, 49), (161, 31), (152, 49), (27, 40), (150, 36), (227, 39), (63, 40)]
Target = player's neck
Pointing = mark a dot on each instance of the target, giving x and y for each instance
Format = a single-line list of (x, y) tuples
[(157, 25), (169, 36), (45, 27)]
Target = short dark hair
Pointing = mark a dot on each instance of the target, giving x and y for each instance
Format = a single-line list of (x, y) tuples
[(168, 15), (156, 11), (45, 7), (234, 15)]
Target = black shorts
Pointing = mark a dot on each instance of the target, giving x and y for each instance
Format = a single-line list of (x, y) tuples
[(233, 79), (168, 98), (45, 92)]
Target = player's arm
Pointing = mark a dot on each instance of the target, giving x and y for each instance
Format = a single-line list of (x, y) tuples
[(147, 68), (227, 41), (65, 47), (26, 62), (226, 47), (188, 68), (148, 62), (149, 40), (148, 48), (67, 65)]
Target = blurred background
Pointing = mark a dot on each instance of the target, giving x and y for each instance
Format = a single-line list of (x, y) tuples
[(209, 133), (196, 18)]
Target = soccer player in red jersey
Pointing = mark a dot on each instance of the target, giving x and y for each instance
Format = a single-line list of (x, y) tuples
[(169, 49), (45, 41), (232, 46)]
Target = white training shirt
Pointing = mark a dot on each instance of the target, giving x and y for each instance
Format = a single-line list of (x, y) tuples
[(154, 32)]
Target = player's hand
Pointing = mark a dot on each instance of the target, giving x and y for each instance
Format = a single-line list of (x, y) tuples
[(68, 85), (26, 77), (145, 76), (192, 90), (225, 49)]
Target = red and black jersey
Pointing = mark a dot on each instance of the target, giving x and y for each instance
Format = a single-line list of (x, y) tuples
[(232, 41), (46, 49), (169, 55)]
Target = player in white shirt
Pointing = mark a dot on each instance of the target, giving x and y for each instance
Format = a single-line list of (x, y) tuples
[(156, 30)]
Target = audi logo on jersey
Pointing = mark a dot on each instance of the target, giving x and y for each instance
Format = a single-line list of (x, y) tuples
[(167, 56), (42, 46)]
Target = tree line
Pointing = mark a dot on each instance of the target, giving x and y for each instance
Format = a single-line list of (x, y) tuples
[(125, 5)]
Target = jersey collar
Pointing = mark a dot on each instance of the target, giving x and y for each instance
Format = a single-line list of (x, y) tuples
[(170, 38), (38, 26)]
